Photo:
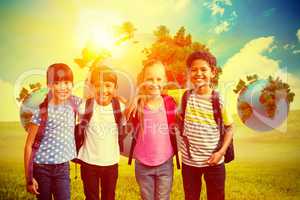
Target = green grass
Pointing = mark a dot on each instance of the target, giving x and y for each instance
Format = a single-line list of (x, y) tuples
[(266, 166)]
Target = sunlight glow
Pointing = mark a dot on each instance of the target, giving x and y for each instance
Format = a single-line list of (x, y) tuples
[(102, 38), (95, 29)]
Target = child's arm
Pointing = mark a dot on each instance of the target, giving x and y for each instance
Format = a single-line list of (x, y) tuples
[(131, 107), (122, 99), (217, 156), (32, 131), (176, 94), (227, 139)]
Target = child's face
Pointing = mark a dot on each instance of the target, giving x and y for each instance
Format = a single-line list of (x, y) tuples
[(105, 92), (201, 73), (154, 79), (61, 90)]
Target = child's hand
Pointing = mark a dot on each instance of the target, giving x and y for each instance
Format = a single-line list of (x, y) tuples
[(215, 158), (88, 89), (33, 188), (131, 108), (122, 99), (87, 92)]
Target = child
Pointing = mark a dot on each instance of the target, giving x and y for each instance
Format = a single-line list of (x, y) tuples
[(201, 152), (154, 143), (50, 143), (100, 151)]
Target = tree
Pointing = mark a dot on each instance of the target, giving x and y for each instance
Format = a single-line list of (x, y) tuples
[(173, 51), (162, 33), (125, 32), (91, 58), (179, 38)]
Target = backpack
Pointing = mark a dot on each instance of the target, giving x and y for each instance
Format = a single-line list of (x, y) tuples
[(81, 127), (229, 155), (43, 114)]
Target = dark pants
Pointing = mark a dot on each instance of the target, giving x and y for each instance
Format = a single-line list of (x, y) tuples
[(92, 175), (214, 177), (53, 179)]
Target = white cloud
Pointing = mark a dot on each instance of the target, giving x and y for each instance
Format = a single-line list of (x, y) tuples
[(226, 2), (297, 51), (289, 46), (286, 46), (250, 60), (217, 7), (234, 14), (272, 48), (222, 27), (9, 108), (298, 34)]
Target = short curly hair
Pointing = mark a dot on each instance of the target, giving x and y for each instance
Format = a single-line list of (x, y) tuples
[(203, 55)]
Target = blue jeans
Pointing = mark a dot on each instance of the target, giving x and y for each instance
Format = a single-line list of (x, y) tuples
[(155, 182), (53, 180), (214, 177)]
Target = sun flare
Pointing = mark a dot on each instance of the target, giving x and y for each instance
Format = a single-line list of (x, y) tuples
[(102, 38)]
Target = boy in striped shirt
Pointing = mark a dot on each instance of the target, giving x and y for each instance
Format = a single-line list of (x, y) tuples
[(202, 154)]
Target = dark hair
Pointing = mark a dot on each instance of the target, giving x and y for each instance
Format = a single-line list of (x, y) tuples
[(59, 72), (103, 73), (203, 55)]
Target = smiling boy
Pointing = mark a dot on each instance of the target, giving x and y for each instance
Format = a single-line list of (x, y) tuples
[(202, 148)]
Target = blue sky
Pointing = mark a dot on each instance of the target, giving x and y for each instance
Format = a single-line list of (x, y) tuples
[(35, 34), (254, 18)]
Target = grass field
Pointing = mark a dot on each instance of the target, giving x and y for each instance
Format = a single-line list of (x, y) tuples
[(267, 166)]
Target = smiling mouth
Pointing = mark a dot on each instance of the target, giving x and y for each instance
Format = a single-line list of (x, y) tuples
[(199, 79), (154, 87), (104, 96), (62, 93)]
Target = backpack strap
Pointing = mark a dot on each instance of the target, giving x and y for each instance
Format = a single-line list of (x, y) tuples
[(170, 107), (217, 111), (88, 112), (84, 121), (74, 106), (118, 119), (229, 155), (43, 114), (184, 101), (134, 126)]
